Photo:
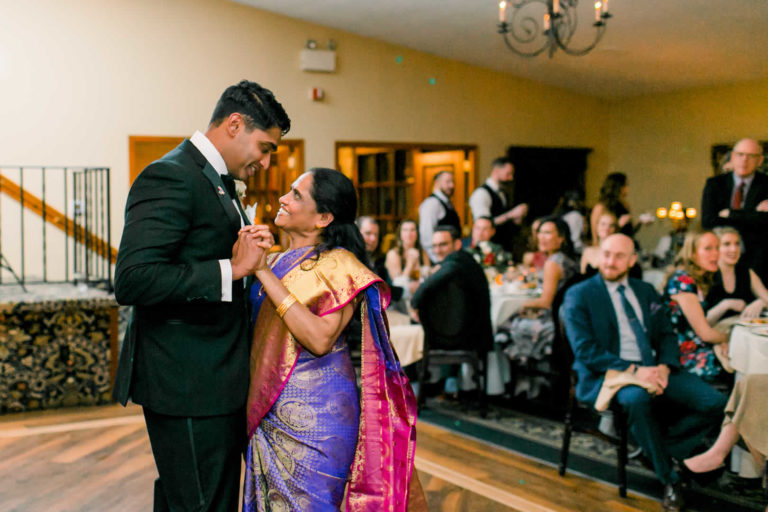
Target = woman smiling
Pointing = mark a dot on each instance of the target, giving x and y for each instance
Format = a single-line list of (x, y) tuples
[(310, 434)]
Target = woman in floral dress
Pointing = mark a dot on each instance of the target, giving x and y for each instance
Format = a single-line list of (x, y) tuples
[(684, 302)]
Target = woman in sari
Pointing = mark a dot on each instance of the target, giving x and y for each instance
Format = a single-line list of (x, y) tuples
[(310, 435)]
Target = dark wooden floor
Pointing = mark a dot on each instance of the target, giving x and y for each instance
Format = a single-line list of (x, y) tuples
[(99, 459)]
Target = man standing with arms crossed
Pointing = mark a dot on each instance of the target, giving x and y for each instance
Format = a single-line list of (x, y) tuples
[(185, 357), (740, 199)]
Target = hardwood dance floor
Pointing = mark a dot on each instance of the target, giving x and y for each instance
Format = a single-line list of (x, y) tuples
[(99, 459)]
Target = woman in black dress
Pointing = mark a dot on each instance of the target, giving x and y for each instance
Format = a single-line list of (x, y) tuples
[(736, 289)]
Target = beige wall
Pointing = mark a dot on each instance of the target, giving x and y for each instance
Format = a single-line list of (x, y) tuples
[(663, 142), (80, 76)]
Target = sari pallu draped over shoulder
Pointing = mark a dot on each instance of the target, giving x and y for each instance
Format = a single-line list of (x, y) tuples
[(383, 463)]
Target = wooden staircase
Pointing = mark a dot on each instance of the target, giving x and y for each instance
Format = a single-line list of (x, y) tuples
[(58, 219)]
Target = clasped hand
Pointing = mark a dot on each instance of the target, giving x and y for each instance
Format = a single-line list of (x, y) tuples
[(249, 254), (655, 375)]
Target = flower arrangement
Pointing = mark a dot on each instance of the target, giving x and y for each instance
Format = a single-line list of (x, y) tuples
[(489, 254)]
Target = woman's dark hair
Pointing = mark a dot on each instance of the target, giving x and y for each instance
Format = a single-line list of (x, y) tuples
[(399, 239), (610, 191), (571, 201), (563, 231), (334, 193)]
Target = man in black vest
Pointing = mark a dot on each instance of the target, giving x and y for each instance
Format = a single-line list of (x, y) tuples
[(490, 200), (185, 357), (437, 210)]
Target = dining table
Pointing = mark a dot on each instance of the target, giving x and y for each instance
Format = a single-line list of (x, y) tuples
[(507, 298), (748, 347), (747, 354)]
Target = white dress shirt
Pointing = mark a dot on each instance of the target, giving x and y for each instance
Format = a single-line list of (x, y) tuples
[(209, 151), (430, 212), (629, 350), (480, 201)]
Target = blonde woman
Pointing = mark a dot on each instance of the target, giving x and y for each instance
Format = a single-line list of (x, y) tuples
[(590, 258), (684, 300), (736, 288)]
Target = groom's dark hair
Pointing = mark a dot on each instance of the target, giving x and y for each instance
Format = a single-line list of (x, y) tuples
[(256, 104)]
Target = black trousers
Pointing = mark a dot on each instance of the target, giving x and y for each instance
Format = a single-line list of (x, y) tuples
[(198, 459)]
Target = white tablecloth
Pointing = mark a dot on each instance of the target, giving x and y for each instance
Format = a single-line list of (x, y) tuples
[(504, 305), (505, 301), (407, 339), (748, 350), (748, 353)]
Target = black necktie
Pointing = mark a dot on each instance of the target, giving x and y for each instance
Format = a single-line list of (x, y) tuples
[(646, 354), (229, 184)]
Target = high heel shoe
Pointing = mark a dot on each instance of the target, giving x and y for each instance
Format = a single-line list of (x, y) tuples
[(703, 479)]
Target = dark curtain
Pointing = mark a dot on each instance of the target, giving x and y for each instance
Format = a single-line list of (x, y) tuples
[(542, 175)]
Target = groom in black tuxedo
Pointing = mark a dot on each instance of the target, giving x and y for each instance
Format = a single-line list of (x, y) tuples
[(185, 357)]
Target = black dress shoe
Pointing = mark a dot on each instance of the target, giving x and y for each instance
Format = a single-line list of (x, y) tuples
[(673, 498), (703, 479)]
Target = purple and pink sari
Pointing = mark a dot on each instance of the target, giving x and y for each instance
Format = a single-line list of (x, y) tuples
[(312, 437)]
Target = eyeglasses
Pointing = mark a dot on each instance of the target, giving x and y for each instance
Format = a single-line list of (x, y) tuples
[(753, 156)]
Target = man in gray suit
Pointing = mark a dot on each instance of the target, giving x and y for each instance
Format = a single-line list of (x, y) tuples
[(185, 357)]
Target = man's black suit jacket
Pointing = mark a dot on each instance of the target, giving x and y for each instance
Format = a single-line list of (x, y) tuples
[(185, 353), (752, 225), (455, 305)]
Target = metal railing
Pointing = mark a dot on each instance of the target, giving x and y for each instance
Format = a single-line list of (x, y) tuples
[(55, 225)]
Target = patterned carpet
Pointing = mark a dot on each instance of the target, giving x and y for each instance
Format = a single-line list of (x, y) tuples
[(590, 455)]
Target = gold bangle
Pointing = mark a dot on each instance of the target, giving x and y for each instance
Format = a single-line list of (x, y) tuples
[(289, 301)]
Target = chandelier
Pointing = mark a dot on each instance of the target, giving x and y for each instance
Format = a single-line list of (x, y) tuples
[(528, 33)]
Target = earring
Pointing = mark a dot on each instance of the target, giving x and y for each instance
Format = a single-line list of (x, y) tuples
[(318, 226)]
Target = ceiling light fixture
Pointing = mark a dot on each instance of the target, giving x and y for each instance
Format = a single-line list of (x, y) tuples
[(538, 25)]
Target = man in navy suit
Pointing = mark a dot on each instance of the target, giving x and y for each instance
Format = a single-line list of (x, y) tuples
[(740, 199), (185, 357), (615, 322)]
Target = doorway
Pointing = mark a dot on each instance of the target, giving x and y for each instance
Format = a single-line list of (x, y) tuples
[(392, 179), (542, 175)]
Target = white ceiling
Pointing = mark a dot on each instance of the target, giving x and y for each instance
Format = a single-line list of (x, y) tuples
[(649, 46)]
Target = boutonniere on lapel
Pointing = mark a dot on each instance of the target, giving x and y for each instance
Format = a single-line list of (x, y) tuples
[(220, 190)]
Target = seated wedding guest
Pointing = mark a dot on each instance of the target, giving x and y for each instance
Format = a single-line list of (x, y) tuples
[(533, 257), (613, 198), (571, 209), (736, 289), (480, 246), (616, 328), (529, 334), (745, 418), (490, 200), (685, 305), (369, 229), (407, 260), (592, 255), (453, 304)]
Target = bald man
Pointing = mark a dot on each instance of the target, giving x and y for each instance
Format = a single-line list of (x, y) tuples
[(614, 322), (740, 199)]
